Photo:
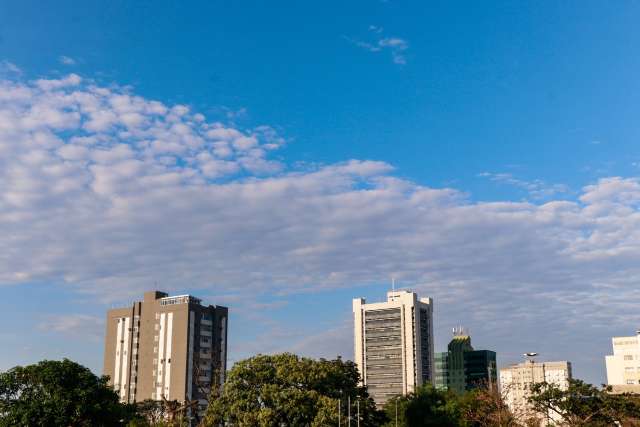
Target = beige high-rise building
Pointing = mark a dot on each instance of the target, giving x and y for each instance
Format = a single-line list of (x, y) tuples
[(166, 346), (623, 367), (516, 381), (394, 344)]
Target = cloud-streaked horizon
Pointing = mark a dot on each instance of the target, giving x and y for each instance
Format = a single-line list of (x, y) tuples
[(106, 191)]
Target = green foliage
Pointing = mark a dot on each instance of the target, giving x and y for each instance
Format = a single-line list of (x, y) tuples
[(427, 406), (582, 404), (58, 393), (287, 390)]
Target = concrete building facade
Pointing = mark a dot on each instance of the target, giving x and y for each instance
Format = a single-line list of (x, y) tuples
[(623, 366), (170, 347), (393, 344), (516, 381)]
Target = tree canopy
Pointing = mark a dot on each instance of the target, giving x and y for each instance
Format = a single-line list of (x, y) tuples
[(58, 393), (287, 390), (426, 407), (583, 404)]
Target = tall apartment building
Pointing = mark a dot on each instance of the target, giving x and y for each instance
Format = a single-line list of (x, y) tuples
[(516, 381), (171, 347), (394, 344), (623, 367), (462, 368)]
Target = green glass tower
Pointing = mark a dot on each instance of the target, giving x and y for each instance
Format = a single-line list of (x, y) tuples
[(462, 368)]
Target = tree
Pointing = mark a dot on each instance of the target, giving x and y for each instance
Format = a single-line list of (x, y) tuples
[(162, 413), (583, 404), (486, 407), (285, 389), (427, 406), (61, 393)]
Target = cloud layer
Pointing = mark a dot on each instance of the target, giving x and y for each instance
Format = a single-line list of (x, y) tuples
[(108, 191)]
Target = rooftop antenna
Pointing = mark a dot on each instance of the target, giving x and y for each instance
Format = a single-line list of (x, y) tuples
[(393, 285)]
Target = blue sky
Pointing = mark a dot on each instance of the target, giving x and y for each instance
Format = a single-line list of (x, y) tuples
[(483, 154)]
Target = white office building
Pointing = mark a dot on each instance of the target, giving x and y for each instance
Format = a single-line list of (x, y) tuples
[(516, 381), (394, 344), (623, 367)]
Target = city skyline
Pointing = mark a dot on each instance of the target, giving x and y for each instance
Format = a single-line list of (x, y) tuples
[(281, 161)]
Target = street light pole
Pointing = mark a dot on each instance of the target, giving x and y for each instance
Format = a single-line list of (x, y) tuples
[(349, 410), (358, 403), (396, 412), (339, 414)]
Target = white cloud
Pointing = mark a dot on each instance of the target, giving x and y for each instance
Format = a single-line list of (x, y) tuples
[(66, 60), (104, 209), (50, 84), (75, 325), (537, 189), (9, 67), (395, 45)]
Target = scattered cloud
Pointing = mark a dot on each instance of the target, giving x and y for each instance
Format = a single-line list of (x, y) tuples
[(107, 191), (75, 325), (9, 67), (66, 60), (537, 189), (395, 45)]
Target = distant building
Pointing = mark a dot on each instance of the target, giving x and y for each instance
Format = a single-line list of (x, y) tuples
[(462, 368), (394, 344), (516, 381), (623, 367), (171, 347)]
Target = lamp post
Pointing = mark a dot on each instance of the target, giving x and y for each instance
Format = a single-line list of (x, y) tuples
[(396, 400), (358, 404), (340, 409)]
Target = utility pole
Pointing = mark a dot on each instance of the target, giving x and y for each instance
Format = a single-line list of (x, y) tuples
[(396, 412)]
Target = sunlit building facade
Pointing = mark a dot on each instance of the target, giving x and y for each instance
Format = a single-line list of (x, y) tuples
[(166, 347), (394, 344), (623, 366)]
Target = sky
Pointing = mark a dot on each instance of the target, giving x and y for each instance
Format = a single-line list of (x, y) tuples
[(282, 158)]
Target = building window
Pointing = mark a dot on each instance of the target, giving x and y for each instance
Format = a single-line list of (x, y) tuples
[(628, 357), (631, 382)]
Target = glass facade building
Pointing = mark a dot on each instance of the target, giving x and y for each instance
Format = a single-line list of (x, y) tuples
[(462, 368)]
